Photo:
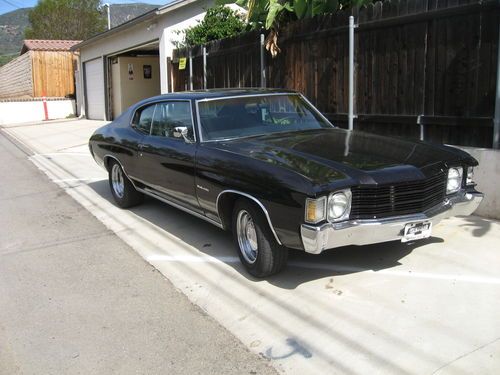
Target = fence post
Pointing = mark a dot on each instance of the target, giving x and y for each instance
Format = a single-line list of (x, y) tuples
[(496, 119), (204, 67), (350, 115), (262, 67), (190, 70)]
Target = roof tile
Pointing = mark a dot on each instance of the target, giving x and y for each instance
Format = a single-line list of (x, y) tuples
[(48, 45)]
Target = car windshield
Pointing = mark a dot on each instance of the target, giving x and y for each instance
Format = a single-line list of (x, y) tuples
[(228, 118)]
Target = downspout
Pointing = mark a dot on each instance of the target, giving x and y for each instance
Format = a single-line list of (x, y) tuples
[(496, 119)]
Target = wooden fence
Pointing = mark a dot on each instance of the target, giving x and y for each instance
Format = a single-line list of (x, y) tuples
[(423, 68)]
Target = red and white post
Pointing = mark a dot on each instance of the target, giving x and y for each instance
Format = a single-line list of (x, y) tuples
[(45, 109)]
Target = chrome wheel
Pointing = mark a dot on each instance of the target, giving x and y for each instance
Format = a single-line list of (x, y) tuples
[(117, 181), (247, 236)]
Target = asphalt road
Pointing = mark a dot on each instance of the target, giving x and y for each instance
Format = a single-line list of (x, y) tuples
[(429, 307), (75, 299)]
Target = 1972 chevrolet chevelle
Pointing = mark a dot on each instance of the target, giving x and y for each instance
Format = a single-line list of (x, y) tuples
[(271, 168)]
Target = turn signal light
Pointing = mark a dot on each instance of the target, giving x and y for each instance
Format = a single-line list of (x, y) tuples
[(315, 210)]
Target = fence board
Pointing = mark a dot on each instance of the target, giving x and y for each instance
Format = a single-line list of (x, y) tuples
[(431, 58)]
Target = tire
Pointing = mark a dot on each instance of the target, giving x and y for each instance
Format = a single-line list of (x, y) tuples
[(122, 189), (257, 248)]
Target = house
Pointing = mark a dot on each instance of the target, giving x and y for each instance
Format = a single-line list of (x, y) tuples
[(44, 68), (131, 61)]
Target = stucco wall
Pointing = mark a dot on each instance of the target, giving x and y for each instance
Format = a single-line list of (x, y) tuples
[(487, 177), (15, 112), (116, 91), (16, 80)]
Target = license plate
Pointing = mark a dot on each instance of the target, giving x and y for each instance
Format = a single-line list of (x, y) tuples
[(417, 231)]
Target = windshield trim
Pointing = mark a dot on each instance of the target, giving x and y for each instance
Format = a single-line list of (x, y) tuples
[(312, 107)]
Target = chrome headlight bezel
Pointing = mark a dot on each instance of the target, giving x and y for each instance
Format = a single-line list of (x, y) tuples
[(454, 180), (342, 199)]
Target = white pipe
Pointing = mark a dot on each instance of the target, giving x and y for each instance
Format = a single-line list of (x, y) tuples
[(350, 115), (190, 71), (496, 119), (109, 14), (262, 67), (204, 67)]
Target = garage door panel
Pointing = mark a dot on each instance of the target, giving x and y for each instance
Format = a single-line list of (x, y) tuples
[(94, 84)]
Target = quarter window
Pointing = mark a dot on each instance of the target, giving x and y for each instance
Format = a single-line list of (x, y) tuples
[(143, 117), (173, 120)]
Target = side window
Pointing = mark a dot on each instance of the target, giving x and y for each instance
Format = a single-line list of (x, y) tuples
[(143, 117), (173, 120)]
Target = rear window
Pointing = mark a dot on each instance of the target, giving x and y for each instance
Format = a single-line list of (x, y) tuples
[(143, 118)]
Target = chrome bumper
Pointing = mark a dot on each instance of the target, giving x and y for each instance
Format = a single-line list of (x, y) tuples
[(363, 232)]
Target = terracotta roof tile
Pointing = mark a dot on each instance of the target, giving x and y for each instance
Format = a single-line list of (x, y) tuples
[(48, 45)]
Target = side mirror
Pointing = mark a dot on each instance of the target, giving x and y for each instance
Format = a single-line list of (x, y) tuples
[(181, 132)]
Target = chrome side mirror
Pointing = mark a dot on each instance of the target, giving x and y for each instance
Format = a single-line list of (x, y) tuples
[(182, 132)]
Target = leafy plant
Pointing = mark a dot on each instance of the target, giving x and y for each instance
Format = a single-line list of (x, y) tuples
[(274, 14), (65, 19), (219, 22)]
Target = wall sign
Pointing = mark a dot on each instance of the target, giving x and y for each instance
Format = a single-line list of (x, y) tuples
[(147, 71), (130, 72), (182, 63)]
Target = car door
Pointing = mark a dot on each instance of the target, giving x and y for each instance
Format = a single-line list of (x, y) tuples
[(140, 126), (167, 154)]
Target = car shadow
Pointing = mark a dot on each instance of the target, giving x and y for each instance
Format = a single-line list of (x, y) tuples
[(302, 267)]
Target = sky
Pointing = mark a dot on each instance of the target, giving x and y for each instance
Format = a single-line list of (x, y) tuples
[(10, 5)]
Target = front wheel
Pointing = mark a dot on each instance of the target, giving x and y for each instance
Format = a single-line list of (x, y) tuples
[(122, 189), (257, 248)]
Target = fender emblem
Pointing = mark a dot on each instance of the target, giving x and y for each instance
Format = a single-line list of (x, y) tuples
[(202, 188)]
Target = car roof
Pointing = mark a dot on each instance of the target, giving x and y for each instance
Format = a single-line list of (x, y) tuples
[(215, 93)]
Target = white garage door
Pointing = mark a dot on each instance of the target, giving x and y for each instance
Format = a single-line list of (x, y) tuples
[(94, 85)]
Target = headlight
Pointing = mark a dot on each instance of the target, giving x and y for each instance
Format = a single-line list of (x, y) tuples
[(339, 205), (454, 180), (470, 176), (315, 210)]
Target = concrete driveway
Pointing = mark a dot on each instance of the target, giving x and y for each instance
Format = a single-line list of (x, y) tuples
[(426, 308)]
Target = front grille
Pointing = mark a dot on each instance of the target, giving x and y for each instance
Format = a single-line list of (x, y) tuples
[(371, 202)]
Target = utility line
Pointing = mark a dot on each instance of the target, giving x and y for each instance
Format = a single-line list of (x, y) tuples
[(8, 2)]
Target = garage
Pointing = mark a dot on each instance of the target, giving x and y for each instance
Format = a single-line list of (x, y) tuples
[(131, 61), (133, 75), (94, 89)]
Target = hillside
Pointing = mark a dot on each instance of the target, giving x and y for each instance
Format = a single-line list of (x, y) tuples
[(12, 27), (121, 13), (13, 24)]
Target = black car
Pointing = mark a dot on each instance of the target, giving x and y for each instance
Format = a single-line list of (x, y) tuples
[(271, 168)]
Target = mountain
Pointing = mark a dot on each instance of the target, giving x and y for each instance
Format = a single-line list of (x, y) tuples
[(121, 13), (12, 27), (13, 24)]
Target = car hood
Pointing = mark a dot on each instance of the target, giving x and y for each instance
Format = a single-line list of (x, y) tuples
[(328, 155)]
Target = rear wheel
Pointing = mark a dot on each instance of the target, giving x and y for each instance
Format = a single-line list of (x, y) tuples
[(257, 248), (122, 189)]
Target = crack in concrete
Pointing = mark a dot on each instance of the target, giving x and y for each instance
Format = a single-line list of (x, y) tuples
[(465, 355)]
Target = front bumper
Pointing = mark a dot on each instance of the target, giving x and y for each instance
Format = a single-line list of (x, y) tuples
[(363, 232)]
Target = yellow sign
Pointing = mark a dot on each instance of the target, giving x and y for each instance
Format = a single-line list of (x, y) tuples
[(182, 63)]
